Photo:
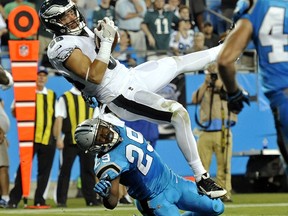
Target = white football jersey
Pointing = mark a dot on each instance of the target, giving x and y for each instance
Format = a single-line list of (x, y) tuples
[(60, 49)]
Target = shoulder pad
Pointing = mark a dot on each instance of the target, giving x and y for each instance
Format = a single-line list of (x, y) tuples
[(61, 48)]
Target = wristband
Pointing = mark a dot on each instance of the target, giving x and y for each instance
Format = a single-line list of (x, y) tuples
[(104, 52)]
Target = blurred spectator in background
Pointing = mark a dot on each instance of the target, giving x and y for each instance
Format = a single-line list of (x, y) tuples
[(197, 12), (184, 14), (6, 81), (87, 7), (173, 5), (215, 128), (4, 2), (124, 52), (149, 4), (227, 8), (199, 42), (129, 16), (211, 39), (113, 2), (3, 26), (44, 143), (44, 38), (182, 39), (12, 5), (71, 110), (104, 9), (157, 27)]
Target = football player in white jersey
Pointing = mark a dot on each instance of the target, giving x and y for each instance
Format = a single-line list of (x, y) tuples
[(129, 93)]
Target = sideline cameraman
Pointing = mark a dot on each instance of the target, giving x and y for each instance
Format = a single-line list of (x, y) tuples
[(215, 122)]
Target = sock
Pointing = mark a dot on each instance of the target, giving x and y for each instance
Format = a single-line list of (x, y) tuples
[(5, 197)]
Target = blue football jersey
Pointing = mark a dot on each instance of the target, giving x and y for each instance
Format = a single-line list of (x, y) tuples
[(140, 167), (270, 35)]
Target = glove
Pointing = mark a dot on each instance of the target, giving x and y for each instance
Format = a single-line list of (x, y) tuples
[(103, 188), (90, 100), (105, 31), (236, 100)]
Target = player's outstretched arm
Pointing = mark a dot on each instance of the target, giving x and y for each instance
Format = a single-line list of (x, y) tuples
[(233, 46)]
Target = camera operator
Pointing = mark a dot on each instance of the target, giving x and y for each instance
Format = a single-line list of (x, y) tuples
[(215, 121)]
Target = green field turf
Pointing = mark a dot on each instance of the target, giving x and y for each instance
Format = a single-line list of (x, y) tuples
[(243, 204)]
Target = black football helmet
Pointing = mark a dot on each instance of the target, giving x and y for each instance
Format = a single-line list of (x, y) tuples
[(50, 13), (96, 136)]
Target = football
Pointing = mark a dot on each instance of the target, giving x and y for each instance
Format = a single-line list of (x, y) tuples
[(98, 40)]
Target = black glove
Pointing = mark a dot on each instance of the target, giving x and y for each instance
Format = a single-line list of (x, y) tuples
[(236, 100)]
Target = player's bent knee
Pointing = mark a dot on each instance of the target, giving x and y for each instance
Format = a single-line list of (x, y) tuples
[(179, 112)]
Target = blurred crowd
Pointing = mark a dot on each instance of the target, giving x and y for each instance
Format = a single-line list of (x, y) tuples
[(175, 31)]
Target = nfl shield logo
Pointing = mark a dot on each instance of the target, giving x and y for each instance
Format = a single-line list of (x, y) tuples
[(24, 50)]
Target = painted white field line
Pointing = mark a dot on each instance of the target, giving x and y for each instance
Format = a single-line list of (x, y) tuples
[(66, 210), (256, 205), (61, 210)]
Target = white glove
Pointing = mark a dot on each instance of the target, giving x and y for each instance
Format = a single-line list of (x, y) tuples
[(109, 21), (107, 32), (104, 39)]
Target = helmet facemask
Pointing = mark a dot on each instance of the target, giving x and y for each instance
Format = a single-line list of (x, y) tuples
[(75, 26), (96, 136)]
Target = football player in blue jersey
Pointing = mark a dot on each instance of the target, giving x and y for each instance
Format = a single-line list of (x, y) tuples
[(123, 156), (265, 22)]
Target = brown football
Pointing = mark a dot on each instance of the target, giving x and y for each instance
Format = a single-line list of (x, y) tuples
[(98, 40)]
